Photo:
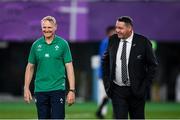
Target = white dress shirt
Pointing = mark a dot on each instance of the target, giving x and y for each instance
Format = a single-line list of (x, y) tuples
[(118, 73)]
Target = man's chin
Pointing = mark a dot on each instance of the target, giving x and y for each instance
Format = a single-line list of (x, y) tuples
[(119, 36), (47, 36)]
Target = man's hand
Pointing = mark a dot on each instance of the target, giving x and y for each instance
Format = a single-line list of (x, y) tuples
[(70, 98), (27, 95)]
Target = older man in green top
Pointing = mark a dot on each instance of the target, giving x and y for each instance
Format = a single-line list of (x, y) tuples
[(51, 56)]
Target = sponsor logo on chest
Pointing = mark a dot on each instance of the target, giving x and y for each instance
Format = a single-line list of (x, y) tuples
[(46, 55)]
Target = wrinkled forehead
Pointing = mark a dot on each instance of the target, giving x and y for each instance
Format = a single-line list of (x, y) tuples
[(48, 23)]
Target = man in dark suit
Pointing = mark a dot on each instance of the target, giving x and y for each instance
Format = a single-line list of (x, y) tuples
[(129, 65)]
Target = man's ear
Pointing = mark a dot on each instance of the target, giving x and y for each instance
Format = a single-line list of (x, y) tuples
[(55, 27), (130, 28)]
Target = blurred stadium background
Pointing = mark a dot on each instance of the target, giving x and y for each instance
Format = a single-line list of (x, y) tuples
[(82, 23)]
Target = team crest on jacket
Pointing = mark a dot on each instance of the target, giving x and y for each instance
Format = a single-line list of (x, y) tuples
[(39, 48), (56, 47)]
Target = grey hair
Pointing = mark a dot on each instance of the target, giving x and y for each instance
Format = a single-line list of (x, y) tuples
[(50, 19)]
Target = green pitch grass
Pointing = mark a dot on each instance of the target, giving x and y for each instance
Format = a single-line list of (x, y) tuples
[(19, 110)]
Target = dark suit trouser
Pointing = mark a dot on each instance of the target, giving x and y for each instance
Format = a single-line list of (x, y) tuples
[(125, 102), (50, 105)]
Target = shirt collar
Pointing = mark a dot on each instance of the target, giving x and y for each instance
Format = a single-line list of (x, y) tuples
[(129, 39), (53, 41)]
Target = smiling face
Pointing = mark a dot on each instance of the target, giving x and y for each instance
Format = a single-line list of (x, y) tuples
[(123, 30), (48, 29)]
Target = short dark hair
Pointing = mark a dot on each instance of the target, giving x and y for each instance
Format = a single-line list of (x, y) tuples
[(126, 19)]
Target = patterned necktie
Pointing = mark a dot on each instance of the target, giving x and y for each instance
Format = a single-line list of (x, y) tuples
[(124, 65)]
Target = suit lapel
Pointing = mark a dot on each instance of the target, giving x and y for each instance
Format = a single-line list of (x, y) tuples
[(113, 53), (133, 47), (116, 45)]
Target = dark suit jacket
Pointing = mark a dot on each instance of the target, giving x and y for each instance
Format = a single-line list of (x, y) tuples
[(142, 64)]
